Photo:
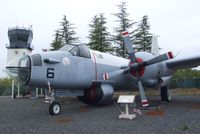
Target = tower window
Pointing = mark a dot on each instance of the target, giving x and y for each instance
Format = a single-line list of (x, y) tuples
[(16, 52)]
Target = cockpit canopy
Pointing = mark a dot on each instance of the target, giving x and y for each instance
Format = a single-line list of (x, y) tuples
[(77, 50)]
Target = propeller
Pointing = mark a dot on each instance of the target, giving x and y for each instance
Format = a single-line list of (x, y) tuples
[(136, 66), (133, 59)]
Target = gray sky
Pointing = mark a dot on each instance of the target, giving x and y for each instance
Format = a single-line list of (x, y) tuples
[(177, 22)]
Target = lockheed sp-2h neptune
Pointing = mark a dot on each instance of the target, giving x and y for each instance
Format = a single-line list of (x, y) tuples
[(93, 76)]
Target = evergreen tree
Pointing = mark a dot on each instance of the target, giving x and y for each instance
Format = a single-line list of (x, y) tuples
[(67, 32), (98, 34), (64, 35), (124, 25), (143, 38), (57, 43)]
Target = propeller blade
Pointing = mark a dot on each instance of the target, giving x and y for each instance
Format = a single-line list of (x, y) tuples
[(142, 94), (129, 46), (154, 60), (107, 76), (160, 58)]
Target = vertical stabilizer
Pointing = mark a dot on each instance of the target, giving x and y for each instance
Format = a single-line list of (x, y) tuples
[(154, 46)]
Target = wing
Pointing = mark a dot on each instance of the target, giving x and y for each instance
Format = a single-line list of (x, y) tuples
[(190, 62)]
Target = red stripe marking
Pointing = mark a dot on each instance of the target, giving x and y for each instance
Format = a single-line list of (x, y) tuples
[(145, 102), (170, 55), (95, 65), (106, 76), (125, 33)]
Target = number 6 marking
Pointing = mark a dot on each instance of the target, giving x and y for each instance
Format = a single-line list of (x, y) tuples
[(50, 72)]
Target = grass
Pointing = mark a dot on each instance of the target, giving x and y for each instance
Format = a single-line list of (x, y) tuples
[(151, 92), (191, 91)]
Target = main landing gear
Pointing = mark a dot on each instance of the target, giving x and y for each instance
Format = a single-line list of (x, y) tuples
[(54, 107), (164, 93)]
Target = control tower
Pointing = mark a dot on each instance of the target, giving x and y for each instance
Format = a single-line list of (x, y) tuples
[(20, 39), (20, 42)]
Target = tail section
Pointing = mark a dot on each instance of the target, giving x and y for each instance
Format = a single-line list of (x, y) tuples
[(154, 46)]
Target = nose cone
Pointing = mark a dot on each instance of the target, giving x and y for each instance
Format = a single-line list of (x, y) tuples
[(20, 69)]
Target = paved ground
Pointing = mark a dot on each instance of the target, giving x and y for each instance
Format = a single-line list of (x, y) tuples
[(28, 116)]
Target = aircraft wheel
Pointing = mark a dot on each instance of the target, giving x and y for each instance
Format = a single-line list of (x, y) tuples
[(54, 108), (165, 95)]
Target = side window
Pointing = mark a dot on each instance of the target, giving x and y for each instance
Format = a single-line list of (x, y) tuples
[(84, 52), (75, 51), (37, 60)]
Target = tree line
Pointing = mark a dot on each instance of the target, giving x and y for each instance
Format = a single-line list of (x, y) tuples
[(99, 37), (186, 74)]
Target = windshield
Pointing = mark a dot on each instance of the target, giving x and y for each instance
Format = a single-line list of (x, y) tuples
[(66, 48)]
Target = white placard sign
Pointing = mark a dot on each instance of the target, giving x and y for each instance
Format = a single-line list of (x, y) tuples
[(126, 99)]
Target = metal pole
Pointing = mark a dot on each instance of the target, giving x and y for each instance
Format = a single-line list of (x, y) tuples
[(13, 84), (41, 91), (18, 89), (127, 109), (36, 93)]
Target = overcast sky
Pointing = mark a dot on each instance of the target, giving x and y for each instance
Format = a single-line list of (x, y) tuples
[(177, 22)]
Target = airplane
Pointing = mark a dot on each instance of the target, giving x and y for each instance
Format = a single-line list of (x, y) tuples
[(93, 76)]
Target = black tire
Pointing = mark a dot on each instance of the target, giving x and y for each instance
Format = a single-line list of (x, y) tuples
[(54, 108), (164, 93)]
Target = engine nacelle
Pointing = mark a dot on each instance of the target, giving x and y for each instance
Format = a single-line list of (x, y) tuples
[(97, 95)]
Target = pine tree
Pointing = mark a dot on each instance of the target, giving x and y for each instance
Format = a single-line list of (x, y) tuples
[(57, 43), (98, 34), (124, 25), (64, 35), (67, 31), (143, 38)]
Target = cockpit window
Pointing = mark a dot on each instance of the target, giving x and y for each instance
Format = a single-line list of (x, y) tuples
[(84, 52), (75, 51), (67, 47), (80, 51)]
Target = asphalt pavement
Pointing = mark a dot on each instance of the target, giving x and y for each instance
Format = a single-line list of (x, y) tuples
[(30, 116)]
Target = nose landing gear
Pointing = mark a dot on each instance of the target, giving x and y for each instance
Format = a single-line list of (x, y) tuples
[(54, 107)]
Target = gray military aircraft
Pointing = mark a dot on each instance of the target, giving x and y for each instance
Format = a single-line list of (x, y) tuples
[(93, 76)]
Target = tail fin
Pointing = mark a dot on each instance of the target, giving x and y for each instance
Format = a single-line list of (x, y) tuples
[(154, 46)]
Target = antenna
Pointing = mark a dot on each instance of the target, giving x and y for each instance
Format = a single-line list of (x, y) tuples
[(177, 53)]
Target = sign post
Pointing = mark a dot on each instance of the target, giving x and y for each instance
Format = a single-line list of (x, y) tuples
[(126, 99)]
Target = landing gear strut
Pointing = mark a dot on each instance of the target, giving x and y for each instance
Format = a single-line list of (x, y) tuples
[(164, 93), (54, 107)]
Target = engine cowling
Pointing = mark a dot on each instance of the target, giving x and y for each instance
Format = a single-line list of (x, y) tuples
[(97, 94)]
